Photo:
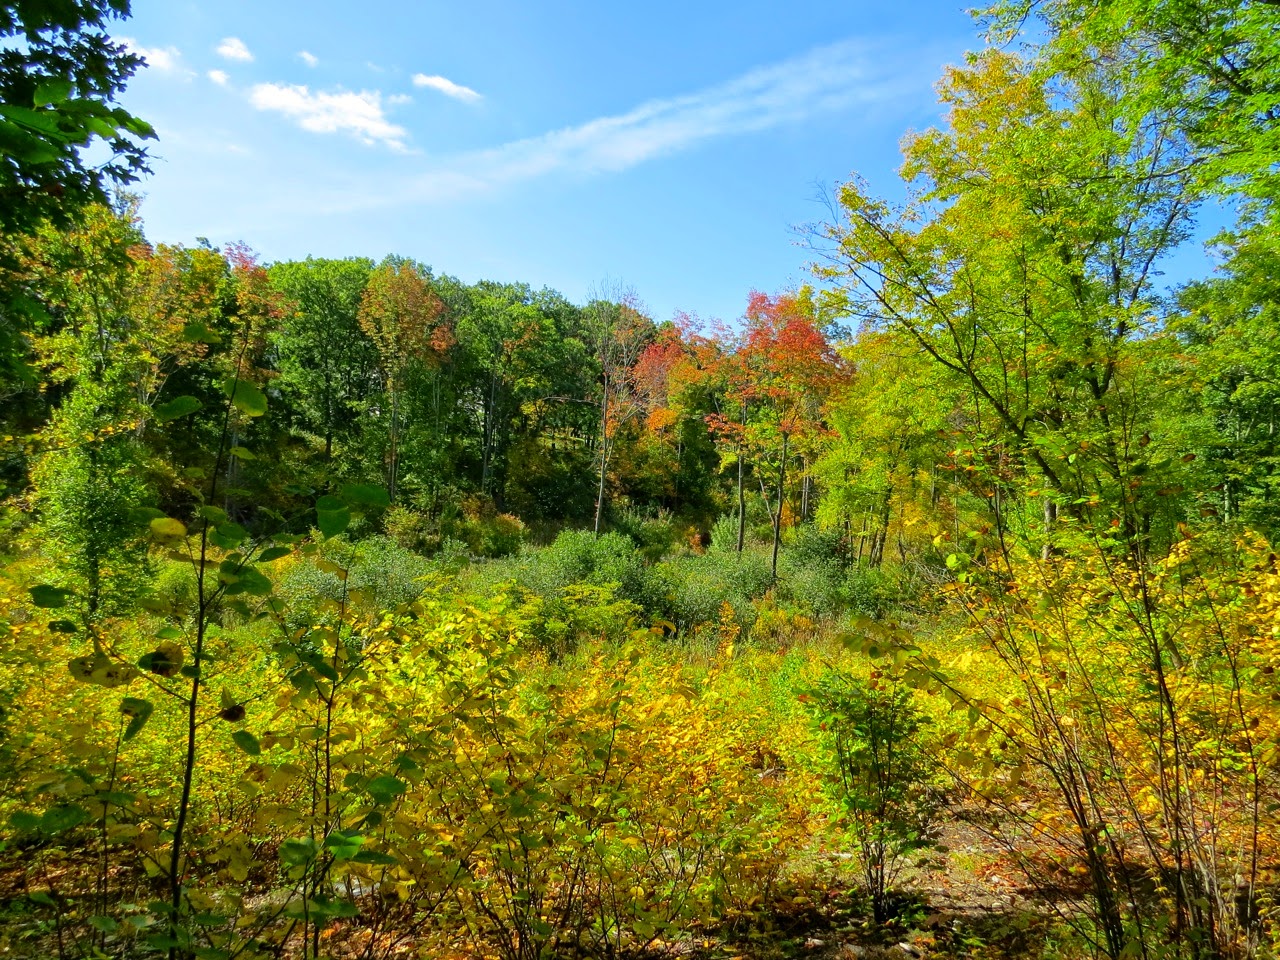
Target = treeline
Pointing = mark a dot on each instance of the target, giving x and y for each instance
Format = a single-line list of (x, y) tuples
[(482, 409)]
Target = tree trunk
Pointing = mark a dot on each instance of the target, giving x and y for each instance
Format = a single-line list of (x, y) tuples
[(742, 494), (1050, 518), (604, 455), (777, 513), (394, 467), (882, 531)]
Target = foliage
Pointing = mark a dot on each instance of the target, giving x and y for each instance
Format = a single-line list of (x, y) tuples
[(304, 650), (874, 737), (59, 73)]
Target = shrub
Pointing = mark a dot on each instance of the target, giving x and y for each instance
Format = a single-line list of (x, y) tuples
[(654, 534), (410, 529), (579, 557), (879, 774), (811, 545), (696, 587), (376, 571)]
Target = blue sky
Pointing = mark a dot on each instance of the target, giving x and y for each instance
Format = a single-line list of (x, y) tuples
[(671, 147)]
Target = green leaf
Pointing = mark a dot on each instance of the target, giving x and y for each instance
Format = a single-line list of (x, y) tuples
[(243, 453), (198, 332), (343, 844), (332, 522), (144, 515), (375, 858), (23, 820), (139, 127), (228, 536), (61, 818), (245, 397), (385, 789), (365, 494), (139, 712), (178, 407), (250, 581), (103, 924), (247, 742), (273, 553), (297, 853), (167, 528), (53, 90), (41, 121), (49, 597), (213, 514)]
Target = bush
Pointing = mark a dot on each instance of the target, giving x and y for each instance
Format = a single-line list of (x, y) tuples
[(579, 557), (378, 573), (811, 545), (410, 529), (872, 591), (874, 738), (578, 614), (696, 587), (654, 534)]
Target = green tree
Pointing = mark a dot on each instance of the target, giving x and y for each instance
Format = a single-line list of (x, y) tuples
[(1023, 266), (399, 312), (326, 360), (59, 73)]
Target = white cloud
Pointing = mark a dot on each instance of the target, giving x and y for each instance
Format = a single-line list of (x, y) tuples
[(166, 59), (219, 77), (359, 114), (310, 59), (823, 81), (233, 48), (447, 87)]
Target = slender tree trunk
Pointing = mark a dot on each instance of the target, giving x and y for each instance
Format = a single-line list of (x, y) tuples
[(777, 513), (742, 494), (1050, 518), (604, 454), (328, 424), (490, 416), (882, 531), (393, 472), (804, 489)]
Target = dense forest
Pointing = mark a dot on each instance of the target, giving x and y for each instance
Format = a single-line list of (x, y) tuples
[(351, 610)]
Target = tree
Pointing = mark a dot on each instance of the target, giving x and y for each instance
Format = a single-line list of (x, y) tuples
[(326, 359), (59, 73), (891, 421), (92, 475), (1023, 267), (1214, 65), (779, 379), (399, 313), (617, 330)]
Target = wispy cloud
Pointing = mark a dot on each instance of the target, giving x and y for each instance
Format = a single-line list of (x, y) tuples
[(823, 81), (233, 48), (359, 114), (447, 87), (166, 59), (219, 77), (310, 59)]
